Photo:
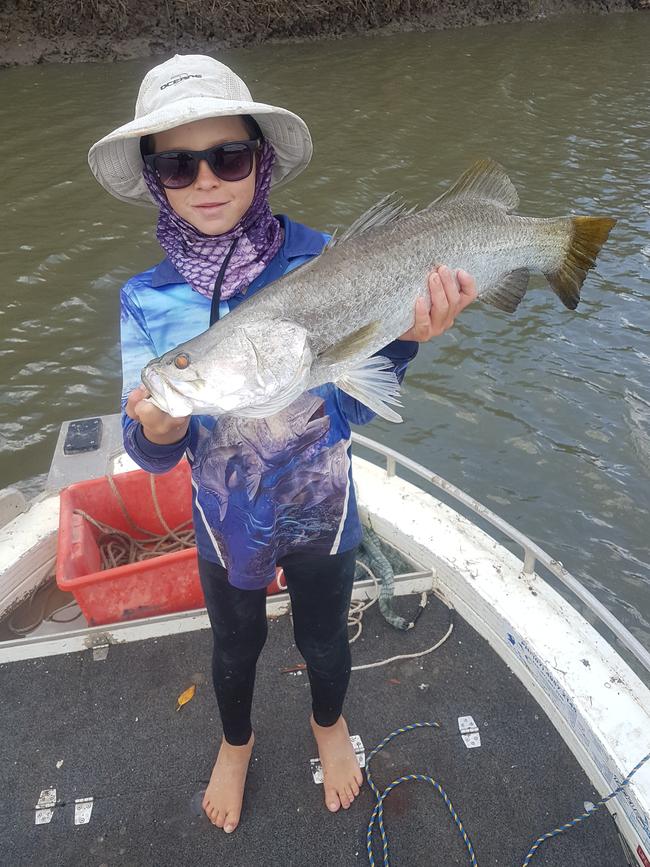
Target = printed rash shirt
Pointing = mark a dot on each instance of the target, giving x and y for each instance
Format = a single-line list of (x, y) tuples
[(262, 488)]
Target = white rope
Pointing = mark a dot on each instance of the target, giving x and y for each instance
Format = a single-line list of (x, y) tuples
[(357, 606), (406, 655), (355, 616)]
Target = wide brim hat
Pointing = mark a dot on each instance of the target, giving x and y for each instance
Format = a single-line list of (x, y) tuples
[(186, 88)]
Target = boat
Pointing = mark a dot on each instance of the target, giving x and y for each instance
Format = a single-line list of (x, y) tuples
[(516, 695)]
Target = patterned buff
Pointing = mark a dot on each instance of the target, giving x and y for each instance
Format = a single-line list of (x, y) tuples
[(198, 257)]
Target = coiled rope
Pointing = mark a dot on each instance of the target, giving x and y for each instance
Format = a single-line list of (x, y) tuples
[(116, 548), (377, 816), (43, 593)]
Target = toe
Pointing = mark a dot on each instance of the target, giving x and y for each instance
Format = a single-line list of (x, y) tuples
[(350, 793), (218, 819), (332, 800), (231, 822)]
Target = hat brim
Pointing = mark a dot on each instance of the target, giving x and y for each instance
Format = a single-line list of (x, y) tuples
[(116, 162)]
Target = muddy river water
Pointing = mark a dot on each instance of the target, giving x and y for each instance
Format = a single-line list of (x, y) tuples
[(544, 416)]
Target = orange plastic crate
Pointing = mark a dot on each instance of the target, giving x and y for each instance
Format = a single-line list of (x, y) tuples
[(159, 585)]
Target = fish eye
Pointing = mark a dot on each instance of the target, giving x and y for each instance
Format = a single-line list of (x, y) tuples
[(182, 360)]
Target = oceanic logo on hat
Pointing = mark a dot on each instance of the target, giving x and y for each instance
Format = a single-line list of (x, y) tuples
[(180, 78)]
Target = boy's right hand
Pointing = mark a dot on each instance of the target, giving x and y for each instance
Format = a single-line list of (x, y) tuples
[(157, 426)]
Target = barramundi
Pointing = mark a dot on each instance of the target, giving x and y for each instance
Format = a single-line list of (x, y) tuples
[(325, 320)]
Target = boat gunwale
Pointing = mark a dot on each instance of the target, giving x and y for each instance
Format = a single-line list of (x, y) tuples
[(533, 553), (484, 590), (594, 699)]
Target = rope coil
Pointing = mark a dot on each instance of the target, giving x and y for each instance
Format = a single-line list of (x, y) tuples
[(118, 548)]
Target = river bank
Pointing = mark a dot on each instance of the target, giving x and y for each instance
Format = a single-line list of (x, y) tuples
[(70, 31)]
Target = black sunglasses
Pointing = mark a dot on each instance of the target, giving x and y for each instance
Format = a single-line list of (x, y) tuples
[(231, 161)]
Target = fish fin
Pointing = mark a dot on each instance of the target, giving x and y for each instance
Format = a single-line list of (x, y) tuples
[(486, 179), (331, 242), (310, 263), (508, 292), (389, 209), (351, 345), (588, 236), (373, 382)]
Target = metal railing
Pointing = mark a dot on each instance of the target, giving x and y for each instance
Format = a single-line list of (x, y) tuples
[(532, 552)]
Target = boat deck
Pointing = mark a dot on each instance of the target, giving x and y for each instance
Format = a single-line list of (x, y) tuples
[(113, 725)]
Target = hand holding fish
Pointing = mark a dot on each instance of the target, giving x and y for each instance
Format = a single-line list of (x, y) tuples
[(157, 426), (450, 294)]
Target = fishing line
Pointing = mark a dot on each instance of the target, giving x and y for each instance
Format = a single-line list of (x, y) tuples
[(378, 812)]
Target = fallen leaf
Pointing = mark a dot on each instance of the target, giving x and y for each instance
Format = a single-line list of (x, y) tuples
[(186, 696), (393, 680)]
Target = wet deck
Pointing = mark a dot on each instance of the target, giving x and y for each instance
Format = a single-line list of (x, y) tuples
[(114, 725)]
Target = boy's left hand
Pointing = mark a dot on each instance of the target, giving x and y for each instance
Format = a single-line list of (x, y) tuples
[(450, 293)]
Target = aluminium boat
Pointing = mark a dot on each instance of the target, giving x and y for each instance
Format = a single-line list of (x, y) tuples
[(535, 697)]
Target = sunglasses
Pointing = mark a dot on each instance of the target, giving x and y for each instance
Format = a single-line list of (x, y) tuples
[(231, 161)]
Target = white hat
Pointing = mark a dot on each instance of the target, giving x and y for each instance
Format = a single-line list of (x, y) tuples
[(192, 87)]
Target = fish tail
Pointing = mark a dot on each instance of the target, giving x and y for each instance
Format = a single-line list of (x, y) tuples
[(588, 234)]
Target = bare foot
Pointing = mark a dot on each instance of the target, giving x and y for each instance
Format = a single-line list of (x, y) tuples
[(223, 797), (341, 773)]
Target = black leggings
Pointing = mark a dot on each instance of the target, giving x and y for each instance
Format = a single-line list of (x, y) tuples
[(320, 589)]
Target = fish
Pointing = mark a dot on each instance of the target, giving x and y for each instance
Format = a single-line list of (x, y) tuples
[(325, 321)]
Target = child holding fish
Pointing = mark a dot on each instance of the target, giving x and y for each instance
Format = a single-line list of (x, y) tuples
[(272, 484)]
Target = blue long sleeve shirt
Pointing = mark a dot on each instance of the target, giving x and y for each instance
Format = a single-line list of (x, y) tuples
[(262, 488)]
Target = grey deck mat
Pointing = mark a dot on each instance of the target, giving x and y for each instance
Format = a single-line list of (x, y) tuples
[(114, 725)]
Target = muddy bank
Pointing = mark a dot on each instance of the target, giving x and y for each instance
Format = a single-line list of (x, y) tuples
[(66, 31)]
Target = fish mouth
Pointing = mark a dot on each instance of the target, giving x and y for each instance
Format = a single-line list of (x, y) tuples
[(154, 378), (161, 388), (146, 380)]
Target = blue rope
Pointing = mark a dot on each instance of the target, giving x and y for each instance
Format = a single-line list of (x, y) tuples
[(556, 831), (378, 812)]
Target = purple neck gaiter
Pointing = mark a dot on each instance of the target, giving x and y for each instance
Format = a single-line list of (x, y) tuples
[(198, 257)]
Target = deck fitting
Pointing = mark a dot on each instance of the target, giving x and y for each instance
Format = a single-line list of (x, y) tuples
[(83, 807), (100, 651), (45, 807), (469, 731)]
